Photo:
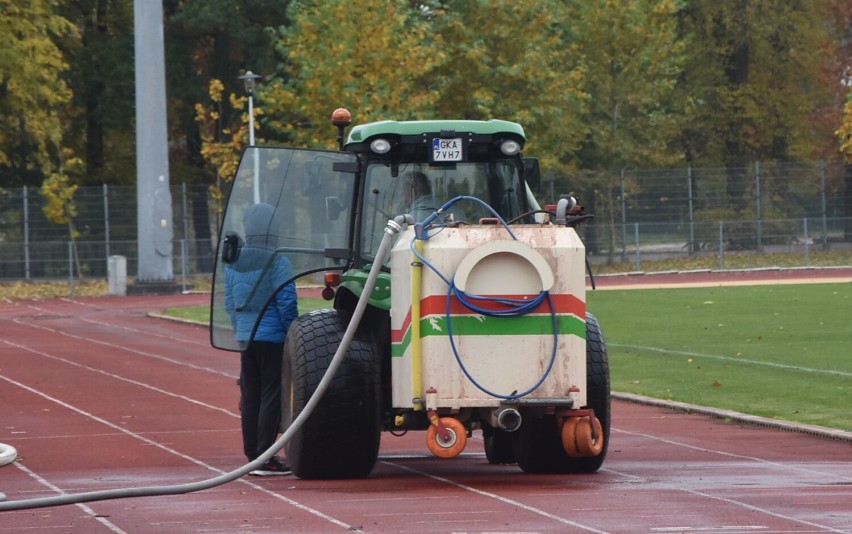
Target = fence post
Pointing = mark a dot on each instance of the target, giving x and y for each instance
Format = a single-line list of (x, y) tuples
[(822, 204), (71, 289), (691, 213), (721, 246), (623, 221), (26, 233), (106, 224), (636, 238), (757, 204), (805, 229), (185, 220), (183, 265)]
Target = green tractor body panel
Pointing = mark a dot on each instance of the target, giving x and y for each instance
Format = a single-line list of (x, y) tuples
[(355, 279)]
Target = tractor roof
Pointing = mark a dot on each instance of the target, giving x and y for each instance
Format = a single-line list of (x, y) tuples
[(405, 128)]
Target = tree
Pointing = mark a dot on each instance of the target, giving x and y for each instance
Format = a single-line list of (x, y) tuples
[(207, 41), (101, 76), (632, 59), (838, 74), (378, 64), (517, 61), (224, 133), (33, 93), (755, 64), (59, 207)]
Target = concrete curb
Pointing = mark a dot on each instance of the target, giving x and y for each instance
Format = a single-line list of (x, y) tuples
[(814, 430)]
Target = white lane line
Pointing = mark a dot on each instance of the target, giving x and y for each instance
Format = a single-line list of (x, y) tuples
[(91, 513), (736, 503), (147, 333), (22, 322), (494, 496), (179, 454), (783, 466), (120, 378), (98, 309), (731, 359)]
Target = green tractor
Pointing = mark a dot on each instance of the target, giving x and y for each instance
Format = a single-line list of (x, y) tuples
[(477, 319)]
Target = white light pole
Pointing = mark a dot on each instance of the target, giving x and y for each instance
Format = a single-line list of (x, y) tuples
[(249, 79)]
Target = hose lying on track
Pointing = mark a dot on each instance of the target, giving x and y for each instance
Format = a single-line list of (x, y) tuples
[(393, 227), (7, 454)]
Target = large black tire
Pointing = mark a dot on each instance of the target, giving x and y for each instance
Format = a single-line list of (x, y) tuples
[(538, 443), (498, 445), (341, 438)]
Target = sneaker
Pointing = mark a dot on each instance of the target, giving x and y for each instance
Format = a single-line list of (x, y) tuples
[(274, 467)]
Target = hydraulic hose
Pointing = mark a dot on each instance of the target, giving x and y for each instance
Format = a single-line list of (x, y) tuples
[(393, 227)]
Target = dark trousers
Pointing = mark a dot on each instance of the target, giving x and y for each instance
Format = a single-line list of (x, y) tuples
[(260, 387)]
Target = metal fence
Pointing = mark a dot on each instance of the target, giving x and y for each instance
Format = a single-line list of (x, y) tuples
[(709, 214), (32, 247)]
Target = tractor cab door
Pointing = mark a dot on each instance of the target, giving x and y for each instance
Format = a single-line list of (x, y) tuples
[(289, 217)]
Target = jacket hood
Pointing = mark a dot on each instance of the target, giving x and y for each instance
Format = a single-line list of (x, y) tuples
[(262, 225)]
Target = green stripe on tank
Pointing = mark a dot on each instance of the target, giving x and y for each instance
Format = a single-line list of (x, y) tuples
[(528, 325)]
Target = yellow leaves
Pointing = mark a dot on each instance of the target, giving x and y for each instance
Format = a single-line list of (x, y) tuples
[(845, 130), (221, 141), (58, 193), (215, 90)]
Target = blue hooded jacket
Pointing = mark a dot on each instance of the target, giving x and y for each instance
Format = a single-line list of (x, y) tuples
[(254, 276)]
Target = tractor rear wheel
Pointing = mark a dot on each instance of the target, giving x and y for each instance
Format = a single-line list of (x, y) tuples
[(498, 445), (341, 437), (538, 442)]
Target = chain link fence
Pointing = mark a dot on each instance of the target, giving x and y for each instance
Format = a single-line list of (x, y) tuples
[(710, 215), (33, 247)]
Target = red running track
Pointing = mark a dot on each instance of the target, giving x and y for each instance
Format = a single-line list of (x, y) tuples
[(94, 395)]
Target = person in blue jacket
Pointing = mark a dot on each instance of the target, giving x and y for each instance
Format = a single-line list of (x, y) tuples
[(253, 286)]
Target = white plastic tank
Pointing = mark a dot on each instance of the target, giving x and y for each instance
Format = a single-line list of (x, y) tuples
[(501, 355)]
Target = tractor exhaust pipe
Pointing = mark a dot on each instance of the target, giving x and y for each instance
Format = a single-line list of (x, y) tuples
[(509, 419)]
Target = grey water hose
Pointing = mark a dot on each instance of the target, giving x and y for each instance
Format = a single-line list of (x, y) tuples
[(393, 227)]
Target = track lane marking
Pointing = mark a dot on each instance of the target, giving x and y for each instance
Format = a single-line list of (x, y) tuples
[(494, 496), (155, 356), (89, 511), (740, 504), (177, 453), (734, 455), (734, 502), (120, 378)]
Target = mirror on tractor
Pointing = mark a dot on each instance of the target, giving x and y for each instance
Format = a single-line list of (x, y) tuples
[(532, 174), (231, 245)]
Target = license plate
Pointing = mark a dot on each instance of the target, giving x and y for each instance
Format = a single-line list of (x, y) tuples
[(447, 149)]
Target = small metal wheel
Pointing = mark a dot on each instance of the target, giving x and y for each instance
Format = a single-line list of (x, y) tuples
[(453, 444)]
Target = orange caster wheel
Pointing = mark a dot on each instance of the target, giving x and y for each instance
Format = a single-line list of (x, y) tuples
[(582, 437), (448, 446), (569, 437), (590, 438)]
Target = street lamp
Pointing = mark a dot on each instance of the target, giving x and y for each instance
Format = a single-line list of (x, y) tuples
[(249, 79)]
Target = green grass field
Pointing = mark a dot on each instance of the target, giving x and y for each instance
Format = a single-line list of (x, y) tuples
[(780, 351)]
